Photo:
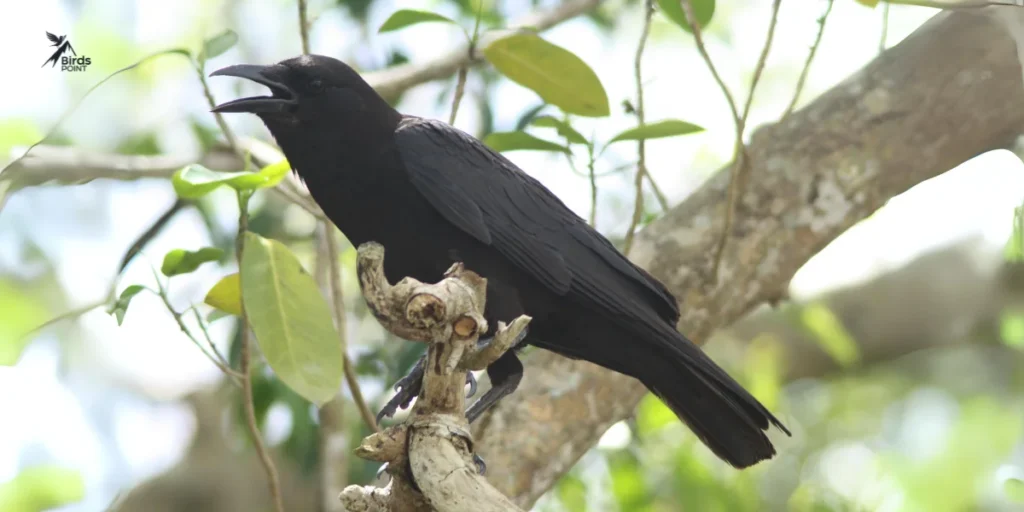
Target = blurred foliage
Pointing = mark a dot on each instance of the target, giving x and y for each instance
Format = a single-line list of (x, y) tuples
[(830, 334), (15, 132), (41, 488), (978, 443), (847, 425), (20, 312)]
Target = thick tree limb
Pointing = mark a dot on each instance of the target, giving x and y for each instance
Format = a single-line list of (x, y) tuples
[(950, 91), (430, 456)]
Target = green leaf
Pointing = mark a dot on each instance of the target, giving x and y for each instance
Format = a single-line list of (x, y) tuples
[(120, 306), (266, 177), (194, 180), (226, 296), (564, 128), (180, 261), (41, 488), (554, 73), (870, 3), (658, 130), (219, 44), (673, 10), (405, 17), (514, 141), (830, 334), (291, 319)]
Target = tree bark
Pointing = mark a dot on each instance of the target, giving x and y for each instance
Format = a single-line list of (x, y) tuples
[(950, 91), (429, 456)]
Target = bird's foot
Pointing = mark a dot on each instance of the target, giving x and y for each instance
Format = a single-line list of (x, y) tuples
[(407, 388)]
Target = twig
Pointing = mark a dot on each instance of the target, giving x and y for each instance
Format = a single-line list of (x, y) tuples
[(150, 233), (592, 175), (460, 89), (273, 482), (662, 200), (74, 313), (761, 59), (641, 151), (179, 318), (357, 394), (221, 122), (209, 339), (460, 81), (810, 58), (304, 27), (739, 153), (333, 447), (338, 299), (885, 27), (699, 41)]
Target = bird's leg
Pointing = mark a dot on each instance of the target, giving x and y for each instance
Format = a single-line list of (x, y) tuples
[(505, 374), (409, 387)]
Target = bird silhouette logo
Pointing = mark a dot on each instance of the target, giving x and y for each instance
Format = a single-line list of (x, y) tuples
[(63, 46)]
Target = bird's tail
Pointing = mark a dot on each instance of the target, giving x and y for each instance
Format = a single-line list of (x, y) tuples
[(730, 421)]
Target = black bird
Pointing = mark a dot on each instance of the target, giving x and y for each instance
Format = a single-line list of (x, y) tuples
[(433, 195)]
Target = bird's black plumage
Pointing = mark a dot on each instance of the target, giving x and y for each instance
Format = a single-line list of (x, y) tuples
[(433, 195)]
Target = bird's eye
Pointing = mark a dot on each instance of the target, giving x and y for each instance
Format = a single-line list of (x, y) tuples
[(316, 86)]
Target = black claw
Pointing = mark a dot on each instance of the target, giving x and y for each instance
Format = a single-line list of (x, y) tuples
[(481, 466), (406, 389), (387, 412), (471, 380)]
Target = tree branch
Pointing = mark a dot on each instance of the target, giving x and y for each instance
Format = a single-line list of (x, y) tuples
[(430, 456), (74, 165), (245, 359), (813, 175)]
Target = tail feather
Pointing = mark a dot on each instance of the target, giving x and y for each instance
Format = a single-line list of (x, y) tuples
[(722, 414)]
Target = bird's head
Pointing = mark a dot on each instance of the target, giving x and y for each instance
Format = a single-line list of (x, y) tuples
[(311, 94)]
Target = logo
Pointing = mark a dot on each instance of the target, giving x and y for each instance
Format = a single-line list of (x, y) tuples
[(72, 62)]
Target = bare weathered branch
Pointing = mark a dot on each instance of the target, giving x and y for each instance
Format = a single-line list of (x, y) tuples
[(813, 175), (430, 456)]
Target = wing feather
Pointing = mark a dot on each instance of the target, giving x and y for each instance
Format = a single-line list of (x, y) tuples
[(488, 197)]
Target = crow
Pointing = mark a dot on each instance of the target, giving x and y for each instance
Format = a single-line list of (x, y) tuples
[(433, 195)]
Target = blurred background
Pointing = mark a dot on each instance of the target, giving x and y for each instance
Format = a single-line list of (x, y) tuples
[(897, 362)]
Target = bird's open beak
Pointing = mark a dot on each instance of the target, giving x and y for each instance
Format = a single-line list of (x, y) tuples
[(282, 99)]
